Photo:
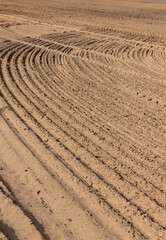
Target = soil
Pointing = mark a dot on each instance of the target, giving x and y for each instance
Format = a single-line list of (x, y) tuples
[(82, 120)]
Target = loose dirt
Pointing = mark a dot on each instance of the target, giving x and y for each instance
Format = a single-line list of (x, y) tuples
[(82, 120)]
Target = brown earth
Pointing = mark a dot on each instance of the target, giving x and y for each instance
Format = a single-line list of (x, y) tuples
[(82, 120)]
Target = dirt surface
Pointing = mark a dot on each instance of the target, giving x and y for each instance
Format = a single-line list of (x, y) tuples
[(82, 120)]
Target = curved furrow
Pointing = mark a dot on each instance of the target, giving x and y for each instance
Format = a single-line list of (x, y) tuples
[(55, 155), (116, 51), (109, 85), (115, 96), (83, 133), (131, 36), (100, 44), (64, 155), (108, 74), (40, 183), (61, 161)]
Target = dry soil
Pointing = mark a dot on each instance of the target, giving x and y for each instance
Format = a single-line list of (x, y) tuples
[(82, 120)]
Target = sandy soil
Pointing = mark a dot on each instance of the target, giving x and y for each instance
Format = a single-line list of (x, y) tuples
[(82, 120)]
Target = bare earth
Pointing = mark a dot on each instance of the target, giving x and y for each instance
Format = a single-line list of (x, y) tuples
[(82, 120)]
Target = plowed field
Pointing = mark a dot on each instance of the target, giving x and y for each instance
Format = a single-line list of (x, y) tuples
[(82, 121)]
